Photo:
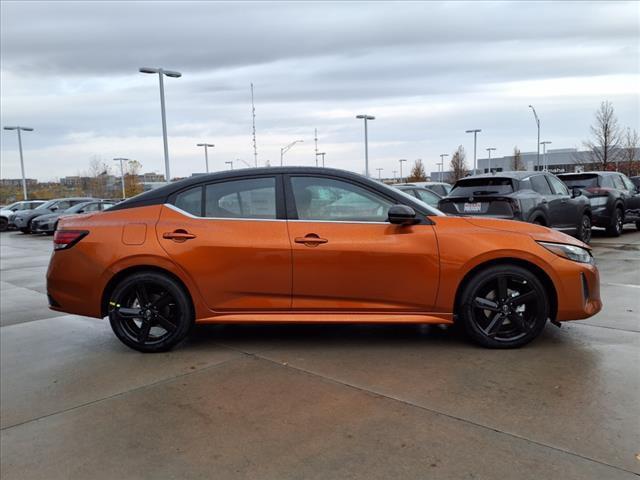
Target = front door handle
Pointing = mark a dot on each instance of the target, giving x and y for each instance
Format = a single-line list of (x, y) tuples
[(178, 235), (311, 240)]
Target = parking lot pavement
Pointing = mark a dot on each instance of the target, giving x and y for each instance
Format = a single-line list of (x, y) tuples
[(309, 401)]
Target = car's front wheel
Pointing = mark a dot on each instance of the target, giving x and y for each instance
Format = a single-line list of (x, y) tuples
[(617, 225), (584, 230), (150, 312), (504, 306)]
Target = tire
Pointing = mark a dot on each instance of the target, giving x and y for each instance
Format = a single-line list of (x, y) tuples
[(538, 221), (584, 229), (25, 230), (4, 224), (150, 312), (615, 230), (492, 315)]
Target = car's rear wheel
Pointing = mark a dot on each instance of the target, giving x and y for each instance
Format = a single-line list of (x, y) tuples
[(150, 312), (584, 231), (617, 225), (504, 306), (4, 224)]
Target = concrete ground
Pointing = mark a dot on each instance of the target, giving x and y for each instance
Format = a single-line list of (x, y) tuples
[(317, 402)]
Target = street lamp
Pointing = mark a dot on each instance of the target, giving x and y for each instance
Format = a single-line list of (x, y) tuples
[(285, 149), (161, 73), (321, 154), (24, 180), (122, 160), (537, 123), (490, 149), (475, 141), (366, 118), (379, 173), (206, 153), (544, 153), (442, 155), (229, 162), (401, 160)]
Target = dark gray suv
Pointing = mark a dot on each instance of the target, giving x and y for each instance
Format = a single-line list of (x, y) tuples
[(535, 197)]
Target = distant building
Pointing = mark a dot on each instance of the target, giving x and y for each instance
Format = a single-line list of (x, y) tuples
[(17, 182), (150, 177)]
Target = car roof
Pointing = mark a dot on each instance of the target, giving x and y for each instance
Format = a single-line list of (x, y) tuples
[(516, 174), (587, 173)]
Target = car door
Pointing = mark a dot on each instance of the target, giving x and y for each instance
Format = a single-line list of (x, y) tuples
[(231, 238), (566, 211), (347, 256)]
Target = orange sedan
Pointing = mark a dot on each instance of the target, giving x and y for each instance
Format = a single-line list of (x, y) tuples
[(312, 245)]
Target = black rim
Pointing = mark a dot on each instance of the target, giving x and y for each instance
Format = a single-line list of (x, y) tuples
[(586, 229), (147, 313), (619, 222), (505, 308)]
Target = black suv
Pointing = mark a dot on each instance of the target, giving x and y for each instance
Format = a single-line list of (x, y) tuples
[(614, 198), (536, 197)]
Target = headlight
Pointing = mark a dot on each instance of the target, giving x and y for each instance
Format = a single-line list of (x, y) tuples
[(598, 201), (570, 252)]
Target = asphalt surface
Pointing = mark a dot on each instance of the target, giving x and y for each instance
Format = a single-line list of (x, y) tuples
[(317, 402)]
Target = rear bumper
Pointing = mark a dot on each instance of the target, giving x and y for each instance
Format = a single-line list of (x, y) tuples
[(601, 217)]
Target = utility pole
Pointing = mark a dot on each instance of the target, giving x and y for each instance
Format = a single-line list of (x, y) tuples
[(122, 160), (475, 142), (253, 114), (322, 155), (24, 179), (315, 138), (395, 179), (366, 118), (441, 173), (206, 154), (161, 73), (379, 173), (490, 149), (538, 143)]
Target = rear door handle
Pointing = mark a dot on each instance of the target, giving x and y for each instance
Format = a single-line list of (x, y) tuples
[(178, 235), (311, 240)]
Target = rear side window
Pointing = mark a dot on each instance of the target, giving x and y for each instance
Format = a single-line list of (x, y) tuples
[(539, 184), (628, 183), (190, 201), (438, 189), (251, 198), (558, 187), (617, 181), (483, 186)]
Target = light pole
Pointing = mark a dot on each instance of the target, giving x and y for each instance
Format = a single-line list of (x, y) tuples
[(490, 149), (366, 118), (243, 161), (206, 153), (285, 149), (229, 162), (544, 153), (442, 155), (475, 142), (321, 154), (122, 160), (400, 161), (161, 73), (379, 173), (24, 179), (538, 124)]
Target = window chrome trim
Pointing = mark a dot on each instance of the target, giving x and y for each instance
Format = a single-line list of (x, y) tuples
[(246, 219), (339, 221)]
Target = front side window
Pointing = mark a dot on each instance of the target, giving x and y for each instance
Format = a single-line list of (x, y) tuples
[(63, 205), (329, 199), (251, 198), (92, 207)]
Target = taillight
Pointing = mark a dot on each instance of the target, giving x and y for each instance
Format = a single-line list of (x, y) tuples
[(67, 238)]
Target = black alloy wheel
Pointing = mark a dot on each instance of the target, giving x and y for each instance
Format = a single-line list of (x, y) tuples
[(585, 229), (150, 312), (615, 230), (504, 306), (4, 224)]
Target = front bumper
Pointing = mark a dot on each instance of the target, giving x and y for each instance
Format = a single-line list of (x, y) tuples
[(20, 222), (578, 290), (601, 217)]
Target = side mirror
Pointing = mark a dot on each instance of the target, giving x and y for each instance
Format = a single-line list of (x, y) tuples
[(81, 211), (575, 192), (53, 209), (402, 215)]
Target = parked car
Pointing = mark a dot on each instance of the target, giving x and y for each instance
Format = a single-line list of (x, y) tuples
[(23, 218), (7, 212), (535, 197), (441, 188), (614, 198), (296, 244), (428, 196), (635, 180), (49, 223)]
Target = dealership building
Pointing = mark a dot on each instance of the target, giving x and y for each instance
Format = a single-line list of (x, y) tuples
[(560, 160)]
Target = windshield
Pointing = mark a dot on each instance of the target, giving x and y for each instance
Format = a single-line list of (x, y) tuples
[(580, 181), (77, 207), (10, 206), (432, 210), (48, 204), (482, 186)]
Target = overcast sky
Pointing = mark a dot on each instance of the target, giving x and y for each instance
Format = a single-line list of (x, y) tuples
[(427, 71)]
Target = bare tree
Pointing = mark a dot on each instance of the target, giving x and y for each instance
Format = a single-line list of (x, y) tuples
[(132, 185), (417, 172), (604, 146), (629, 160), (517, 163), (98, 174), (458, 165)]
